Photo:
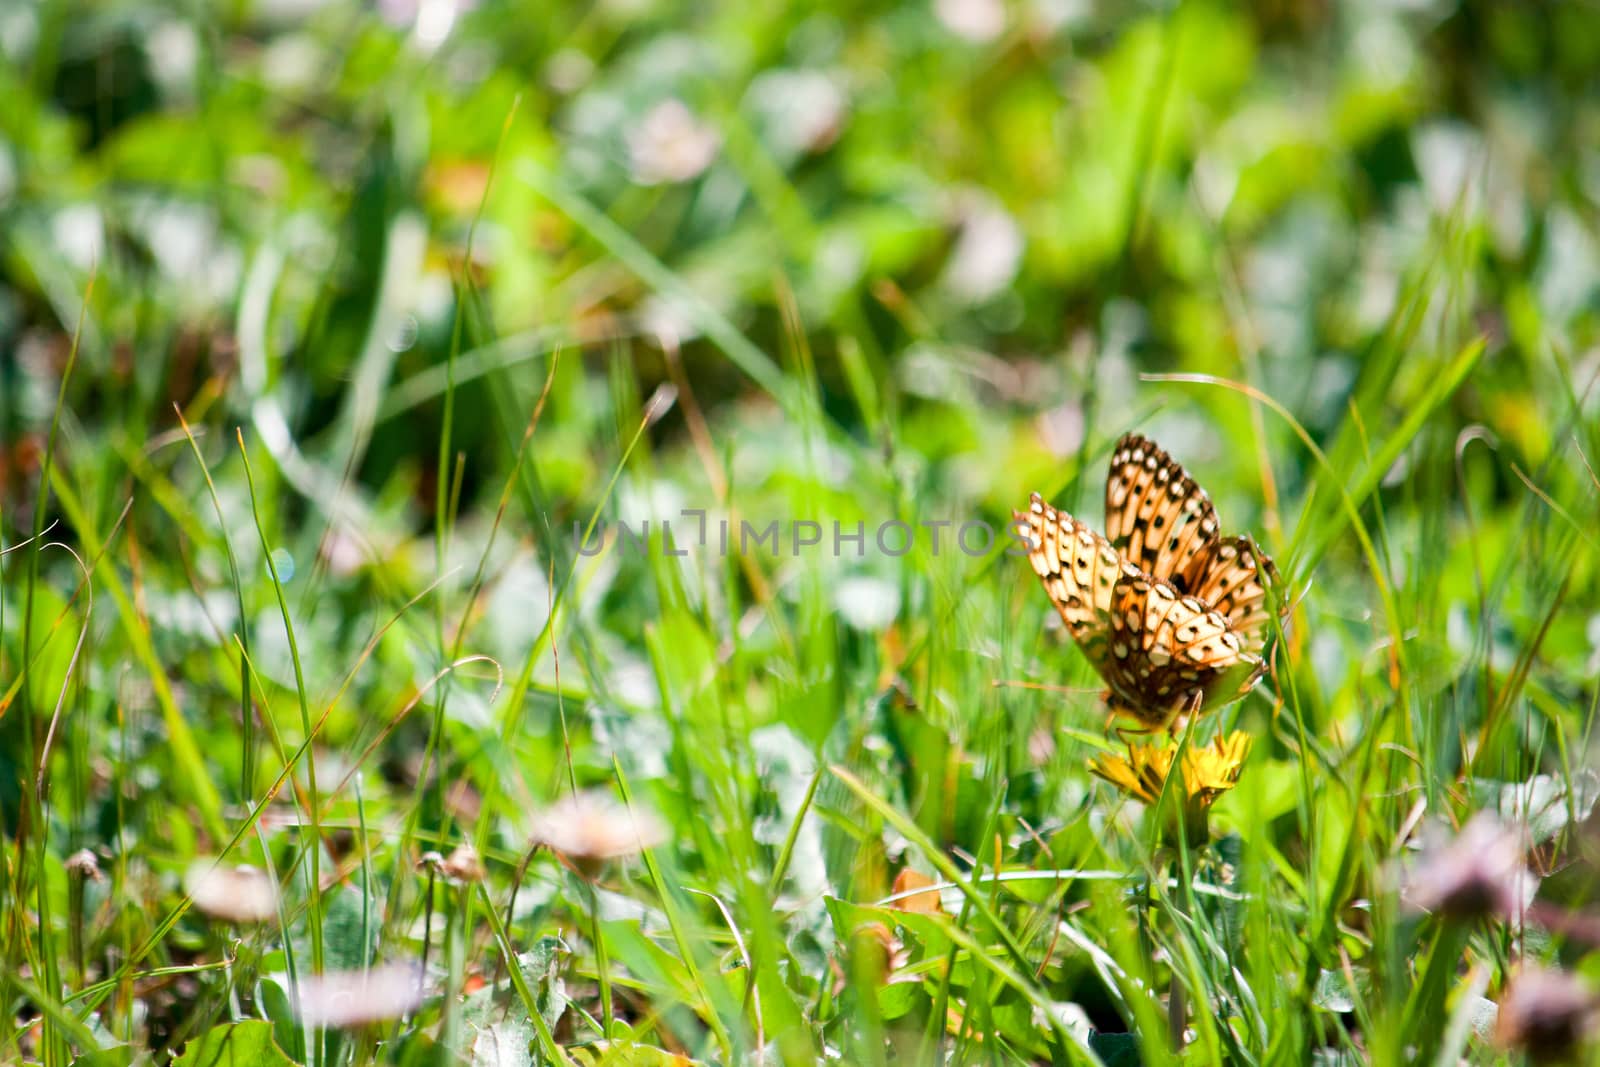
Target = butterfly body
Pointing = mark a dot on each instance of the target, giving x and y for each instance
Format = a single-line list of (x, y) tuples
[(1166, 610)]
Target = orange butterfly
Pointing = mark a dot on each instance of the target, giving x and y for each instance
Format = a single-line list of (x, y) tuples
[(1169, 613)]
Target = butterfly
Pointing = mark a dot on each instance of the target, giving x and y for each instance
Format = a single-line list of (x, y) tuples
[(1170, 613)]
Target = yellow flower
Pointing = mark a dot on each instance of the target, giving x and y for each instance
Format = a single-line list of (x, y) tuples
[(1208, 772)]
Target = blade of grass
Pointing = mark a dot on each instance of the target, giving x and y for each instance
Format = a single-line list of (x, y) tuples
[(1018, 975), (247, 739), (519, 982), (650, 270), (680, 933), (192, 775), (313, 848)]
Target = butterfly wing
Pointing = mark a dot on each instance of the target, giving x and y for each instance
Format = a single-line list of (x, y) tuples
[(1080, 571), (1169, 613), (1170, 653), (1156, 516), (1228, 577)]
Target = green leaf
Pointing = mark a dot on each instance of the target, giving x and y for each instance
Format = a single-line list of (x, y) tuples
[(507, 1043), (898, 999), (1116, 1050), (504, 1032), (246, 1044), (617, 1054), (275, 1002), (1544, 803), (1335, 993), (119, 1056), (542, 966), (926, 931), (350, 929)]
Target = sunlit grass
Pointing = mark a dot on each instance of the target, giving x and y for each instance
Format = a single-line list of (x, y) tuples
[(325, 550)]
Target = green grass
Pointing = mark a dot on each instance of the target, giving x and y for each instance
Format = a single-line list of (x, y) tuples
[(332, 350)]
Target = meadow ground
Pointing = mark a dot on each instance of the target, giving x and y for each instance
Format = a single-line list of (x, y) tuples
[(505, 512)]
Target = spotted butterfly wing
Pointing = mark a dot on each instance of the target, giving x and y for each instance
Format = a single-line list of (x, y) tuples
[(1171, 654), (1080, 571), (1229, 578), (1171, 614), (1157, 517)]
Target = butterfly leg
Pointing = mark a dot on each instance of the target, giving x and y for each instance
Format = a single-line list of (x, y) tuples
[(1123, 732), (1126, 734), (1115, 710), (1190, 708)]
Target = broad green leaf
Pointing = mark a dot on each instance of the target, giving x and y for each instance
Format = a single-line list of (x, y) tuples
[(246, 1044)]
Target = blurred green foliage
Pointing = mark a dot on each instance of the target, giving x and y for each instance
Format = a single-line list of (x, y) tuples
[(831, 262)]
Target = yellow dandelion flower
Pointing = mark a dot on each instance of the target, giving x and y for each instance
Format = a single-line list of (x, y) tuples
[(1208, 771)]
